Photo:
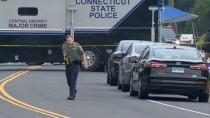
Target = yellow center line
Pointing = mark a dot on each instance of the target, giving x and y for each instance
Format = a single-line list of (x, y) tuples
[(19, 103), (14, 74), (9, 76), (17, 74)]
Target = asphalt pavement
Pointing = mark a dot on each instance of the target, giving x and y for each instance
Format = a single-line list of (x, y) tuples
[(46, 88)]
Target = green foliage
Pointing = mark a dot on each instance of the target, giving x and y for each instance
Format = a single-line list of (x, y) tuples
[(202, 9), (201, 41), (185, 5), (198, 7)]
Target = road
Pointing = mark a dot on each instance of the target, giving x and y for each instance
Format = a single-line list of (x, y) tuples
[(42, 92)]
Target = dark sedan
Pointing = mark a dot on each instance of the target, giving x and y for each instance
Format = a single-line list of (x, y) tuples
[(126, 65), (169, 69), (114, 60)]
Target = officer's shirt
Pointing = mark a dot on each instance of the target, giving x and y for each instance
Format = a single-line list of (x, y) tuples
[(74, 52)]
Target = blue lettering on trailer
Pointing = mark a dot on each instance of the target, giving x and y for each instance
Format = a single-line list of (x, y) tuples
[(103, 2), (28, 24), (103, 9)]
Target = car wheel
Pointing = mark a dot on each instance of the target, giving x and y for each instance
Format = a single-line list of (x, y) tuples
[(125, 87), (119, 86), (132, 92), (112, 80), (203, 98), (108, 77), (142, 89)]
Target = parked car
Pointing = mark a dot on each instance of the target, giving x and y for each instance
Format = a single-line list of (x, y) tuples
[(169, 69), (126, 64), (114, 60)]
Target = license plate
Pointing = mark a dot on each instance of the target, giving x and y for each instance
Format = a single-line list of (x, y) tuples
[(177, 70)]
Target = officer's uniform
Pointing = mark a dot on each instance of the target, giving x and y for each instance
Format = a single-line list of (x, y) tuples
[(74, 54)]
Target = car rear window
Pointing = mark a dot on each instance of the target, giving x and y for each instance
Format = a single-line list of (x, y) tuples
[(176, 54), (139, 48)]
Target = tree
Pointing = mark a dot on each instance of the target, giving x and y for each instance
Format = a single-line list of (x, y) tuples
[(198, 7), (202, 9)]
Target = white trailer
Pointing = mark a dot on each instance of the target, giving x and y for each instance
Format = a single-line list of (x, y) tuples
[(33, 31), (29, 16)]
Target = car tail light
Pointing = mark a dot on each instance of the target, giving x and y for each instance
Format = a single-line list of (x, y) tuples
[(173, 42), (200, 67), (129, 60), (154, 64), (201, 81)]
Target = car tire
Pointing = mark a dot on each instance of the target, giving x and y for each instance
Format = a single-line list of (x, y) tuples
[(203, 98), (108, 78), (142, 89), (125, 87), (119, 86), (132, 92), (112, 80)]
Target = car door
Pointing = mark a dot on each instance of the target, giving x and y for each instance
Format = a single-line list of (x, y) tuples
[(137, 68), (126, 63), (122, 66), (143, 60), (137, 51)]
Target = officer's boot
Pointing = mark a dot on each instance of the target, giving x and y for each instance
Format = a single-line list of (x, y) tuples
[(70, 97)]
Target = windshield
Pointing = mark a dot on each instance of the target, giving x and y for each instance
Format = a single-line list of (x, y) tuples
[(176, 54), (125, 46)]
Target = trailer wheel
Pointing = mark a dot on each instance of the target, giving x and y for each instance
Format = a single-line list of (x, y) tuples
[(93, 59)]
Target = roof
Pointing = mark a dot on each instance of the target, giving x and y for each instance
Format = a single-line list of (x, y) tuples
[(144, 43), (164, 45), (170, 14)]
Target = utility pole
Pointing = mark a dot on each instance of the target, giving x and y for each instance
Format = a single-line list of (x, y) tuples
[(72, 10), (161, 10), (153, 9)]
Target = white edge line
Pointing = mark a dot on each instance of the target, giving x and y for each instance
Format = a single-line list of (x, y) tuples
[(188, 110)]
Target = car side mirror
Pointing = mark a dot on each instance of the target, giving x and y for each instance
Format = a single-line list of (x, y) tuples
[(119, 55), (133, 59)]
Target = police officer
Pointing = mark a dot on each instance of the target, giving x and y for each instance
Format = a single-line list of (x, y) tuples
[(74, 57)]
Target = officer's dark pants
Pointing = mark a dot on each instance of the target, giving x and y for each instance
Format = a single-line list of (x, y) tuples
[(72, 71)]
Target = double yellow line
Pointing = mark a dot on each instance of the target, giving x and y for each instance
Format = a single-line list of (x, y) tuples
[(6, 97)]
